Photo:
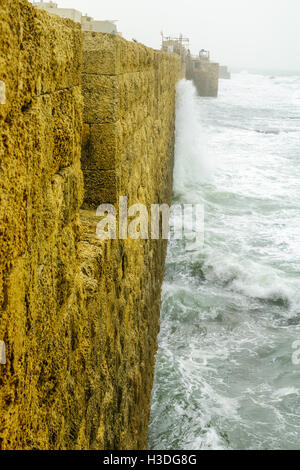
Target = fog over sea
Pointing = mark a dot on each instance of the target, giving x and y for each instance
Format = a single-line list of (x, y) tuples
[(231, 310)]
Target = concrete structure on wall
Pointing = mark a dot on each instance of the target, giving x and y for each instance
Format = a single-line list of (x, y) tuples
[(79, 317), (177, 45), (205, 75)]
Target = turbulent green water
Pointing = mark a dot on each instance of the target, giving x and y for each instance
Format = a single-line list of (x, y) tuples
[(225, 378)]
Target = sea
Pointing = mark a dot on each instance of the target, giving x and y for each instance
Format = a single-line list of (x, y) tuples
[(228, 365)]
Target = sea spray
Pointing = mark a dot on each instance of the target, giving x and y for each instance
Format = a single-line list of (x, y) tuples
[(193, 165)]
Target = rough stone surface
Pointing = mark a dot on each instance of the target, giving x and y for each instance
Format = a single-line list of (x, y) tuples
[(123, 278), (79, 317), (40, 194), (129, 96)]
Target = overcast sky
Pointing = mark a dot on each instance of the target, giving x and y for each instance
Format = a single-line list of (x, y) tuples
[(263, 34)]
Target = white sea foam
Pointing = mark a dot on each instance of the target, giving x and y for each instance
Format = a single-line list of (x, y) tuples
[(253, 279), (231, 311)]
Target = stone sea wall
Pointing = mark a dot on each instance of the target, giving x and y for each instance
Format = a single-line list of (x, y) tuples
[(205, 75), (206, 79), (129, 94), (41, 190), (85, 121)]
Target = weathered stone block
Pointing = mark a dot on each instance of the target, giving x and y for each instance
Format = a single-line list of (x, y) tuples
[(99, 53), (40, 194), (30, 62), (99, 182), (109, 54), (103, 147), (101, 99)]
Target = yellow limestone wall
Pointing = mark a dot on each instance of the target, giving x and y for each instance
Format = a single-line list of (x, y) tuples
[(129, 94), (79, 317), (40, 194)]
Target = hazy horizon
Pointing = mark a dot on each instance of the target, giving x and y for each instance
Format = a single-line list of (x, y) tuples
[(239, 33)]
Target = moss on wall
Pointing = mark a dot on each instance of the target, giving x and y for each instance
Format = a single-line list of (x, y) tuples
[(79, 317)]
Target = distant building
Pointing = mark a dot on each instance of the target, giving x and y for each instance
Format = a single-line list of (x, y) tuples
[(87, 22), (52, 8)]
